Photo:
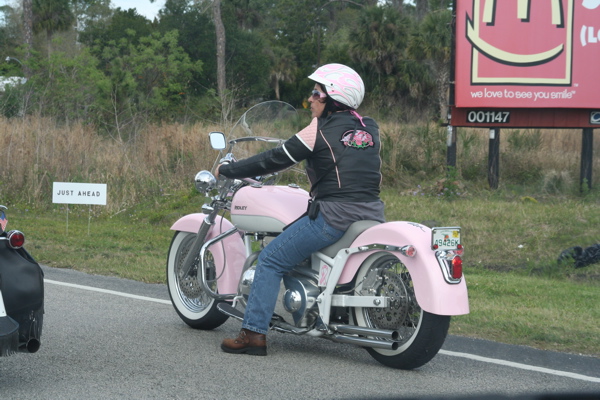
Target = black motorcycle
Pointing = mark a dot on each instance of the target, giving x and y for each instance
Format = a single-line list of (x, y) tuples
[(21, 294)]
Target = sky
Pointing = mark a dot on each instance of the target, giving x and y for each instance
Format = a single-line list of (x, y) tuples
[(143, 7)]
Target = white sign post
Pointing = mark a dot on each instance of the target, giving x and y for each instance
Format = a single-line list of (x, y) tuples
[(79, 193)]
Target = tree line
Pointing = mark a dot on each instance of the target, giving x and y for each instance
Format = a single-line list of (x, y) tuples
[(203, 59)]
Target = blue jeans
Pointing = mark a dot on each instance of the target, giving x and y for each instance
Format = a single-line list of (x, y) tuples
[(291, 247)]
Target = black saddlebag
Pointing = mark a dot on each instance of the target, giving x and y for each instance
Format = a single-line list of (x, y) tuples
[(22, 281)]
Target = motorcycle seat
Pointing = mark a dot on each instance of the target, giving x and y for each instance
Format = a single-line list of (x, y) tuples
[(352, 233)]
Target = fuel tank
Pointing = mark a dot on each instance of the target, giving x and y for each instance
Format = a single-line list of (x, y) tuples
[(267, 208)]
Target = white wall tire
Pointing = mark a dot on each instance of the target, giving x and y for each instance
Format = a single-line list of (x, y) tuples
[(193, 305)]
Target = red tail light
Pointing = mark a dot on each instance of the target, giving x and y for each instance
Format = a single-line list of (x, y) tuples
[(457, 267), (409, 250), (16, 239)]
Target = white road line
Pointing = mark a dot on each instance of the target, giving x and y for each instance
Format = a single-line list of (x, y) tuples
[(445, 352), (94, 289), (520, 366)]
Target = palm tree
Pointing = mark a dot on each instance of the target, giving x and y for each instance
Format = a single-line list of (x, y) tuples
[(51, 16), (283, 67), (433, 44), (379, 46)]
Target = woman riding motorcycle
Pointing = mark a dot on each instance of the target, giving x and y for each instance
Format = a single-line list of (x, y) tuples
[(341, 150)]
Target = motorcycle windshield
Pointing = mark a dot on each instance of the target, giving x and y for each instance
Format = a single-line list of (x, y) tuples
[(264, 126), (271, 119)]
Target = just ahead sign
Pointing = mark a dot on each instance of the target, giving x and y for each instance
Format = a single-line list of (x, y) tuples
[(79, 193)]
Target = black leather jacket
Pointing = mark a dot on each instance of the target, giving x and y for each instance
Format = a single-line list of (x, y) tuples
[(342, 158)]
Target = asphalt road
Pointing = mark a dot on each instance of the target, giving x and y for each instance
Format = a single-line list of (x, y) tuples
[(109, 338)]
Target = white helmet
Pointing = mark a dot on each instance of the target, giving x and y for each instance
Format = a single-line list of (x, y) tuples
[(342, 83)]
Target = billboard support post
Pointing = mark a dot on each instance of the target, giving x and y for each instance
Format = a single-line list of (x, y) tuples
[(451, 150), (587, 150), (494, 158)]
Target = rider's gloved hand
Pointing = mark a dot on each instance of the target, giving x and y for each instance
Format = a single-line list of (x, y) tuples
[(217, 169)]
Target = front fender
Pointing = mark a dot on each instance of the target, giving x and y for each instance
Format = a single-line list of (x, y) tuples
[(433, 293), (229, 254)]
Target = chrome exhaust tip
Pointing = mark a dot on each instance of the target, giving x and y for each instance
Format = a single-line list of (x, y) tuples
[(364, 342), (32, 346)]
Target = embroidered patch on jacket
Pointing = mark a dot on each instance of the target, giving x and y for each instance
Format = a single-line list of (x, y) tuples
[(361, 139)]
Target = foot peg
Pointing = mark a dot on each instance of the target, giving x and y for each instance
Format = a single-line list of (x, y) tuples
[(228, 309)]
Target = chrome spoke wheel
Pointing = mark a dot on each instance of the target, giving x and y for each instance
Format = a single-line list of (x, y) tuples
[(191, 293), (193, 304), (390, 278), (421, 334)]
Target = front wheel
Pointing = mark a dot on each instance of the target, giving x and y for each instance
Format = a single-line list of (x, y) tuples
[(193, 305), (422, 334)]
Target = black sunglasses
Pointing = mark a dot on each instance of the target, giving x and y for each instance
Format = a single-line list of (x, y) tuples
[(315, 94)]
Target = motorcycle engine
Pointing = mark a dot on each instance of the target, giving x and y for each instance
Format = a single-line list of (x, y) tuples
[(247, 278), (300, 297)]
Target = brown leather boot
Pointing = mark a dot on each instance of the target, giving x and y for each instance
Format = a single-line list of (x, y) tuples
[(247, 342)]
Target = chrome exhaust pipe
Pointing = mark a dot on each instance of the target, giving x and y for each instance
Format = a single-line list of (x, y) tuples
[(284, 327), (363, 331), (364, 342)]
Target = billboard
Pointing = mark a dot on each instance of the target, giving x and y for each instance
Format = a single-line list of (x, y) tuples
[(527, 54)]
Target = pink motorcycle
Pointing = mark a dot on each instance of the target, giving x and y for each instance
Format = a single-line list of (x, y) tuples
[(388, 287)]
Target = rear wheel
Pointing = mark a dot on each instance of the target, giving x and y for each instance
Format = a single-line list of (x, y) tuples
[(421, 334), (193, 305)]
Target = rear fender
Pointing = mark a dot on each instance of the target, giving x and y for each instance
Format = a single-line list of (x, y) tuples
[(229, 254), (433, 293)]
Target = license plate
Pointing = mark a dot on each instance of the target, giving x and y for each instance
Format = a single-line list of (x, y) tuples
[(445, 238)]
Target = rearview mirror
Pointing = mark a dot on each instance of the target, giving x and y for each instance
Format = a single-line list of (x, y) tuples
[(217, 140)]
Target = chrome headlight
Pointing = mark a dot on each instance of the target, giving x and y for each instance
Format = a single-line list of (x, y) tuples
[(205, 181)]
